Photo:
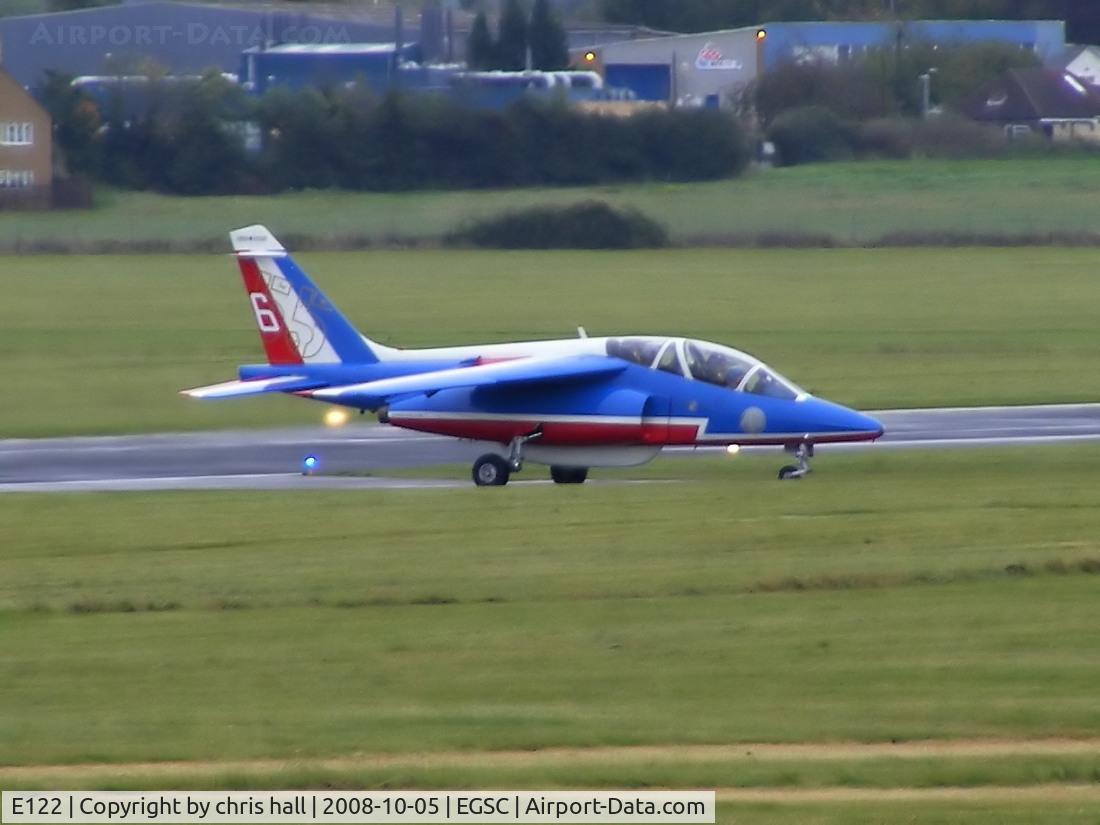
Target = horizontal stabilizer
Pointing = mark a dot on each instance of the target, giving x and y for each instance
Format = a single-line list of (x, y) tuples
[(499, 374), (234, 389)]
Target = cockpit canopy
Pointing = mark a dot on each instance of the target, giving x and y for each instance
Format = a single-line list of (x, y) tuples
[(703, 361), (638, 350)]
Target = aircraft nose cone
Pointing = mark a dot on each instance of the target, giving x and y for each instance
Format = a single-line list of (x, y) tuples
[(840, 419), (870, 425)]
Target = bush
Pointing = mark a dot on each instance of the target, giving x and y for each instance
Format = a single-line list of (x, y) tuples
[(810, 134), (853, 91), (586, 225), (884, 138), (189, 140), (953, 136), (884, 82), (405, 143)]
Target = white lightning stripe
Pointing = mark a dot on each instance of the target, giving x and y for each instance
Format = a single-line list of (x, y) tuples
[(308, 338)]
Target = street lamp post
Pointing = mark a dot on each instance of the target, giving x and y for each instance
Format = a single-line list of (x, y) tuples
[(926, 92)]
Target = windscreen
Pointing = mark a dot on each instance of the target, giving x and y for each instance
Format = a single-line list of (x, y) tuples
[(729, 368), (764, 382), (716, 365), (637, 350)]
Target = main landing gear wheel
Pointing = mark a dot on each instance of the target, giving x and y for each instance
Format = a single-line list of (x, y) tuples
[(568, 475), (491, 470), (802, 453)]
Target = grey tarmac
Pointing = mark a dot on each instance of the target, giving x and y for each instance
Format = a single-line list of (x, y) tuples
[(272, 459)]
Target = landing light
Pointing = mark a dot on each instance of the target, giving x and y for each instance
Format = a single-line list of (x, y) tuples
[(760, 35), (733, 449), (336, 418), (589, 57)]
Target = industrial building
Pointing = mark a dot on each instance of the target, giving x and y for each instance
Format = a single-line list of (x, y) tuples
[(712, 67), (386, 67), (183, 38), (296, 66), (179, 38)]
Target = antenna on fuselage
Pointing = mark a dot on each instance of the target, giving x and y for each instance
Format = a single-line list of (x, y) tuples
[(581, 332)]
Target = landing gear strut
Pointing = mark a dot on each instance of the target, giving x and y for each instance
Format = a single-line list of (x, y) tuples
[(492, 470), (802, 454)]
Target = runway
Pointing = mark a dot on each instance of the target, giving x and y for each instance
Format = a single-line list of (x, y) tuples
[(272, 459)]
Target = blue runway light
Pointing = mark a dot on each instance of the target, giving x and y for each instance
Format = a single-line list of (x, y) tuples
[(309, 464)]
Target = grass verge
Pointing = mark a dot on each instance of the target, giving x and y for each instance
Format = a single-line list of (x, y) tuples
[(397, 622), (843, 203)]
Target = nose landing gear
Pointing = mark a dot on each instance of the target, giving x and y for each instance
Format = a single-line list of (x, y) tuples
[(802, 454)]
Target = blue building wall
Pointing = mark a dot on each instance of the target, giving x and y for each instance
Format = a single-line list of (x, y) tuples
[(785, 40), (320, 67), (648, 81), (377, 66)]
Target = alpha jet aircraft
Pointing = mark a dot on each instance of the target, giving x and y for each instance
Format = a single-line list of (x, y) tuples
[(572, 404)]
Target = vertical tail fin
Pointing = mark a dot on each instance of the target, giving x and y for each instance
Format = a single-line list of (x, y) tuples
[(297, 323)]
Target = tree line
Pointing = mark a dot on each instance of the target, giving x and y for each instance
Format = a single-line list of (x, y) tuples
[(536, 41), (192, 141)]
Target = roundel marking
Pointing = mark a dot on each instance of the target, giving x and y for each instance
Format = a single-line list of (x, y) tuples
[(753, 420)]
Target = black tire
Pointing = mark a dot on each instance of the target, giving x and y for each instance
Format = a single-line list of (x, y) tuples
[(788, 472), (491, 470), (568, 475)]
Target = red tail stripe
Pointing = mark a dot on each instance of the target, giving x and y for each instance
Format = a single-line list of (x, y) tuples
[(278, 343)]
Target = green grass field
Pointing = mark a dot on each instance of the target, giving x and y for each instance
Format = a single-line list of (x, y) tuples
[(102, 344), (388, 639), (772, 641), (854, 203)]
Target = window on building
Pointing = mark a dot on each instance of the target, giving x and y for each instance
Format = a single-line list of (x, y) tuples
[(16, 134), (16, 179)]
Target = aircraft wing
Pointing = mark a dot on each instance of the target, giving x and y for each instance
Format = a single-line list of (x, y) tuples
[(520, 371), (234, 389)]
